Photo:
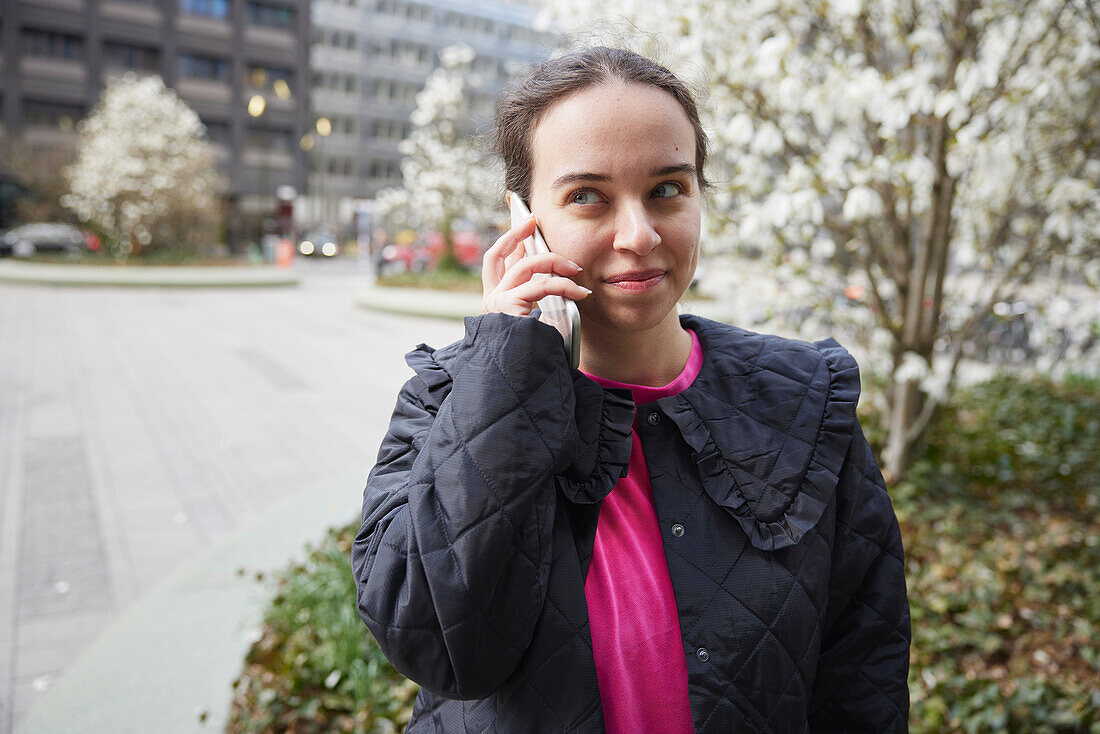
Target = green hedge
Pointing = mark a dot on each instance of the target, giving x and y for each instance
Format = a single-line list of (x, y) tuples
[(1002, 536)]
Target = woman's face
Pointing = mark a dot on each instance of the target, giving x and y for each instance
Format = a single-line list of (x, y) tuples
[(614, 189)]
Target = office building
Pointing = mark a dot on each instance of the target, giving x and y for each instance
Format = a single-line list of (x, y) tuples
[(241, 64), (370, 58)]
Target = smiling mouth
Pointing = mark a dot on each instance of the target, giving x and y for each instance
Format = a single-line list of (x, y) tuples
[(638, 281)]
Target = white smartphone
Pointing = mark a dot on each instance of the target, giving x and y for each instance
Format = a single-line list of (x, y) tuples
[(559, 312)]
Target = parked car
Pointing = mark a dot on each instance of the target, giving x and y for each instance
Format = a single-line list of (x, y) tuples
[(28, 239), (319, 244)]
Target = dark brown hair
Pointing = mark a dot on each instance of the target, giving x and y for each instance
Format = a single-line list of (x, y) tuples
[(521, 106)]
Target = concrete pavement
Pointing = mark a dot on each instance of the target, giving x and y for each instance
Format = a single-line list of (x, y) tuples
[(147, 439), (13, 271)]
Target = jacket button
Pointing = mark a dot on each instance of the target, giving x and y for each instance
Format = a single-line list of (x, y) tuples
[(702, 654), (678, 530), (654, 418)]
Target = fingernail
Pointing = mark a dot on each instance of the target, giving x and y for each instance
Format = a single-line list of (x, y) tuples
[(586, 290), (578, 267)]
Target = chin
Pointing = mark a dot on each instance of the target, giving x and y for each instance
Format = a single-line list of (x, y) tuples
[(629, 319)]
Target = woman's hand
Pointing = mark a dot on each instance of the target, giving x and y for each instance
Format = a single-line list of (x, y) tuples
[(506, 275)]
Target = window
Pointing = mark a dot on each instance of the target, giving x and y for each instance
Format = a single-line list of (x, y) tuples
[(387, 170), (53, 45), (45, 112), (276, 139), (193, 66), (390, 129), (209, 8), (272, 16), (126, 56), (260, 76)]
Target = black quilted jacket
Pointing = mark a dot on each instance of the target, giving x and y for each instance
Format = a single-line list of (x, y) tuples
[(786, 562)]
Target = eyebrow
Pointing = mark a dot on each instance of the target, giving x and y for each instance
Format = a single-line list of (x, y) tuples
[(584, 176)]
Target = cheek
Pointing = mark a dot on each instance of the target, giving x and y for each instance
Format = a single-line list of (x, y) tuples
[(573, 240), (685, 239)]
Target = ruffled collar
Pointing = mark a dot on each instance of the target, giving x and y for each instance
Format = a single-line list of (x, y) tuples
[(769, 421)]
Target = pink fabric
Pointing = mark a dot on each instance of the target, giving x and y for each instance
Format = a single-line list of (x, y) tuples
[(640, 664)]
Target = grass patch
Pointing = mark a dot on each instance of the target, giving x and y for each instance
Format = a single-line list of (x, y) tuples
[(1001, 523)]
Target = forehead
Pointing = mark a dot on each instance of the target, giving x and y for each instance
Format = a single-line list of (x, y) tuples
[(612, 129)]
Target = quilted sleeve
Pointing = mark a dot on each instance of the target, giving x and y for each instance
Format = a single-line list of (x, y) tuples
[(861, 682), (452, 560)]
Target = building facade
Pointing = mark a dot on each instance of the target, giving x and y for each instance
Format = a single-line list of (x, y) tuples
[(219, 55), (370, 58)]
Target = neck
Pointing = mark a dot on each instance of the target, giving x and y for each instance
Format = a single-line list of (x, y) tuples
[(652, 358)]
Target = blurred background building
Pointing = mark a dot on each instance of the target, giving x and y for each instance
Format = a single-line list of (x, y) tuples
[(308, 100), (221, 56), (369, 60)]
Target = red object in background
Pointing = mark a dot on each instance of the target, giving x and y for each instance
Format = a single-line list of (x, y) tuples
[(425, 254), (468, 248), (91, 242), (284, 253)]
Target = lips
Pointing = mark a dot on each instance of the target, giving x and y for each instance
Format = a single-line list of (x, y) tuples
[(636, 280)]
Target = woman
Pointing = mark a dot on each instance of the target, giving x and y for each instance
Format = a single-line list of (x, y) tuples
[(687, 534)]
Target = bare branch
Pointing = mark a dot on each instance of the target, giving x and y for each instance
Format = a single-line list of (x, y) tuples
[(885, 316)]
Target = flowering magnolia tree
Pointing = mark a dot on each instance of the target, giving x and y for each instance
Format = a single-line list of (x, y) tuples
[(445, 177), (144, 175), (919, 171)]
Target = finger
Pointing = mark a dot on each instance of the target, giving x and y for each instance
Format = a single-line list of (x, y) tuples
[(493, 262), (506, 242), (506, 302), (549, 263), (497, 267), (540, 288), (515, 255)]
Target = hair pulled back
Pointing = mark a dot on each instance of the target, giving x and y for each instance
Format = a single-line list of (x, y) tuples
[(520, 107)]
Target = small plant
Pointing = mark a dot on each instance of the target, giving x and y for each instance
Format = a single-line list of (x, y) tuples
[(316, 669)]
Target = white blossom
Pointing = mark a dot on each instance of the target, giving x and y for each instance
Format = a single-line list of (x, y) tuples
[(144, 174), (890, 115), (445, 177)]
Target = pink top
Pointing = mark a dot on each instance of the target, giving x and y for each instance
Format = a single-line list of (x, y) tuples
[(639, 654)]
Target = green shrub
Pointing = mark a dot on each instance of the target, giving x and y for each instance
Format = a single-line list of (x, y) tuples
[(1002, 539), (315, 668)]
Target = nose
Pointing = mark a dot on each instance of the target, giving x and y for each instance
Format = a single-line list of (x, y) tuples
[(634, 230)]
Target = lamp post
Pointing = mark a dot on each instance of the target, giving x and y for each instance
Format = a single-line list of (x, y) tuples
[(257, 104), (324, 129)]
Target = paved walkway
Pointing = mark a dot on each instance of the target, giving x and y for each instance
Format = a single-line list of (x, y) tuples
[(152, 442)]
